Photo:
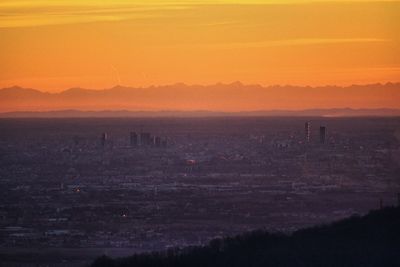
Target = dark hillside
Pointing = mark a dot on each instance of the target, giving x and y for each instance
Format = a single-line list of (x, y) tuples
[(371, 240)]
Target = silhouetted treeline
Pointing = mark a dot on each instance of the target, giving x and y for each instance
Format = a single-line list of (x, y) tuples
[(371, 240)]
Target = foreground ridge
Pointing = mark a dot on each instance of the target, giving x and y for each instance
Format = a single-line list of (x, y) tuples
[(371, 240)]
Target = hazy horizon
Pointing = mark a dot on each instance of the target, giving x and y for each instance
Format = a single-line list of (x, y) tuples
[(116, 85), (234, 97)]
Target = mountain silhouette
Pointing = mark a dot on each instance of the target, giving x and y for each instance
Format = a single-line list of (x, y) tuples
[(232, 97)]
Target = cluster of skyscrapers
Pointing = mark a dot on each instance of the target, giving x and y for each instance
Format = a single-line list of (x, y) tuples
[(322, 133), (146, 139), (142, 139)]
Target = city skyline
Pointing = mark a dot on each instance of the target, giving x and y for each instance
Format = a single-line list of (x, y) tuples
[(215, 133), (75, 189)]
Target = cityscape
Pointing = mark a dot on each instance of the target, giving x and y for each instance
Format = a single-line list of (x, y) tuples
[(75, 189), (187, 133)]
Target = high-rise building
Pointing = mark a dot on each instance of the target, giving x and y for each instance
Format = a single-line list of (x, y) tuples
[(307, 131), (103, 139), (145, 139), (134, 139), (322, 134)]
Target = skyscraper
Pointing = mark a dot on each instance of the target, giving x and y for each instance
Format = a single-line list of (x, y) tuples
[(307, 131), (133, 139), (145, 139), (322, 134), (103, 139)]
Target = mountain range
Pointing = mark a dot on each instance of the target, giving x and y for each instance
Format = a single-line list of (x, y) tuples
[(219, 99)]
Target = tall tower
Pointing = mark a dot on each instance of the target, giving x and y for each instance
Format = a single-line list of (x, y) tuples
[(322, 134), (103, 139), (307, 128), (133, 139)]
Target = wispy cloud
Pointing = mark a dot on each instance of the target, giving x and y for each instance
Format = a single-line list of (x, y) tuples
[(23, 13), (291, 42), (39, 13)]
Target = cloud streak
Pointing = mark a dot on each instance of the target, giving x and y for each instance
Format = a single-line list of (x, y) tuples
[(28, 14), (25, 13), (291, 42)]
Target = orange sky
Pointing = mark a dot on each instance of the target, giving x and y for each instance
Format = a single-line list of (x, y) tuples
[(53, 45)]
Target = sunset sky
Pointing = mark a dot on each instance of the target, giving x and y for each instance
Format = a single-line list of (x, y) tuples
[(53, 45)]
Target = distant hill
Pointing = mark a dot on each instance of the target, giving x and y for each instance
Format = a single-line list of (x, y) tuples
[(372, 240), (219, 97)]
